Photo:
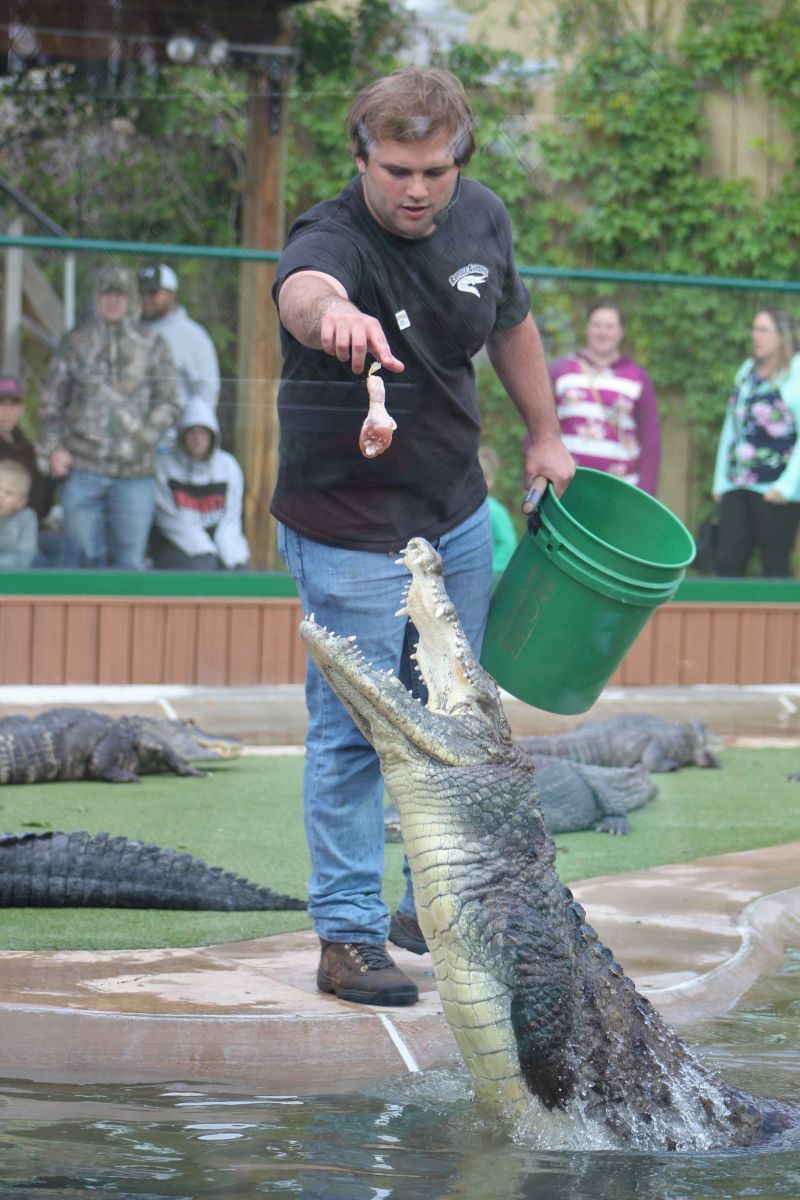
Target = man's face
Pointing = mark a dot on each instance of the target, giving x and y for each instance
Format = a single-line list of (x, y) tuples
[(156, 304), (406, 184), (10, 499), (10, 413), (112, 306)]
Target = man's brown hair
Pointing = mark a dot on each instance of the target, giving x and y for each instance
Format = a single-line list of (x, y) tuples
[(409, 105)]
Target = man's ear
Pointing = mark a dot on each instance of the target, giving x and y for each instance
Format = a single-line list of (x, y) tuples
[(361, 163)]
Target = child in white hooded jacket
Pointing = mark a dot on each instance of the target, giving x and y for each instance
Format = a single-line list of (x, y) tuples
[(199, 490)]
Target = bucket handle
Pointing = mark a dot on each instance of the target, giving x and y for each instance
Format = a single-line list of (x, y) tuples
[(533, 498)]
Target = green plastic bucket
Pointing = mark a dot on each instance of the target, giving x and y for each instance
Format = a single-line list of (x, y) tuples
[(583, 582)]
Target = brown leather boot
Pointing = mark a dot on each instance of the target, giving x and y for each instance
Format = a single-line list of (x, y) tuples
[(405, 931), (363, 974)]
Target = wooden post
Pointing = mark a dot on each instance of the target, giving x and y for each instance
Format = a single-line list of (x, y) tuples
[(256, 426)]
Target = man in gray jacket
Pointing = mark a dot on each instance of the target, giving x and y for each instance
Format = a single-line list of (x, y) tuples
[(110, 397), (193, 350)]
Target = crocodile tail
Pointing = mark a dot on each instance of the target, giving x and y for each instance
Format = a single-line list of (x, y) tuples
[(619, 788), (100, 871)]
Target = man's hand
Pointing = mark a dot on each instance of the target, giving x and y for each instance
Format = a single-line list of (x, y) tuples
[(773, 496), (314, 307), (551, 459), (348, 333), (60, 463)]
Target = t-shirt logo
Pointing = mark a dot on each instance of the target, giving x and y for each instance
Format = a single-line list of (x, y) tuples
[(470, 278)]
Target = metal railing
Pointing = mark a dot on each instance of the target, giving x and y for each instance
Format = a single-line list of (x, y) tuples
[(241, 253)]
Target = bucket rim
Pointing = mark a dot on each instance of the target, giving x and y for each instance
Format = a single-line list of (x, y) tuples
[(611, 480), (612, 583)]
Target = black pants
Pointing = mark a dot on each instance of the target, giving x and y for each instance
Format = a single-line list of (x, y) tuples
[(748, 522), (168, 557)]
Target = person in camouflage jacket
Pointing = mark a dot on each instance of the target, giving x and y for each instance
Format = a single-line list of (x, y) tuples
[(111, 395)]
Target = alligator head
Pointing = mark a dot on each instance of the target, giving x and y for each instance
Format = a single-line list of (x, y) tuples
[(463, 722), (542, 1013), (190, 741)]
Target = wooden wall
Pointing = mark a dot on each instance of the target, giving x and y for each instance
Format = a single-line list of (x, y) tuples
[(115, 640), (217, 642), (715, 643)]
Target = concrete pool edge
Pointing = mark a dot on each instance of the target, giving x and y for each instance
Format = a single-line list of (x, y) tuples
[(693, 936)]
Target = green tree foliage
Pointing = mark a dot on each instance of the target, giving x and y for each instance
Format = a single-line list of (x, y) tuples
[(623, 181)]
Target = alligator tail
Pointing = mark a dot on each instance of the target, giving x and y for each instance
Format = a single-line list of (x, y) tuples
[(80, 870)]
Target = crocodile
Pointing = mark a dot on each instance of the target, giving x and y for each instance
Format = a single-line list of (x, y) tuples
[(550, 1028), (575, 796), (657, 744), (82, 870), (67, 743)]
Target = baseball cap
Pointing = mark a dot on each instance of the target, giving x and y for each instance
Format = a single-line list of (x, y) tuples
[(153, 279), (10, 389)]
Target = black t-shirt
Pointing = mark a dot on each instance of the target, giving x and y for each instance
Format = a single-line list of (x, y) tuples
[(437, 299)]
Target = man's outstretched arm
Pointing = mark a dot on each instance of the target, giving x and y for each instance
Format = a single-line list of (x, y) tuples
[(315, 309)]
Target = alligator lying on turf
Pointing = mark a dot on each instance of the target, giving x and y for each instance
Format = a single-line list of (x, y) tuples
[(77, 743), (625, 741), (78, 870), (539, 1007), (575, 796)]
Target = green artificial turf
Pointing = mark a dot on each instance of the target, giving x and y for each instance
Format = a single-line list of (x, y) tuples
[(247, 817)]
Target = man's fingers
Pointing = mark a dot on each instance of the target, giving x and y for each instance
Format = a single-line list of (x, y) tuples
[(350, 336), (388, 360)]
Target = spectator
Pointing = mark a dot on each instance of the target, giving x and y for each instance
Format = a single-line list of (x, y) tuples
[(606, 404), (15, 446), (54, 549), (409, 258), (17, 520), (504, 535), (110, 396), (192, 348), (199, 490), (757, 472)]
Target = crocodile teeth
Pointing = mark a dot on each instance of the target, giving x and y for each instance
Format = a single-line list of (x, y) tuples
[(402, 612)]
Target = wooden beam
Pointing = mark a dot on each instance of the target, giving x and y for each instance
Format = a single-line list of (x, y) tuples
[(256, 428)]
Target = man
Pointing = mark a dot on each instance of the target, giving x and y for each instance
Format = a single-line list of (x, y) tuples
[(109, 398), (192, 348), (413, 266)]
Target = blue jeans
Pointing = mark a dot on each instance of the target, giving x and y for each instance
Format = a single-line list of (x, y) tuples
[(109, 518), (358, 592)]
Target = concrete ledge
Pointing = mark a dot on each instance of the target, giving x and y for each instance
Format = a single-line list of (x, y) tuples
[(693, 936)]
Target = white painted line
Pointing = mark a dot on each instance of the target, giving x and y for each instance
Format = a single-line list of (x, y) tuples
[(167, 707), (402, 1048), (90, 693), (787, 704)]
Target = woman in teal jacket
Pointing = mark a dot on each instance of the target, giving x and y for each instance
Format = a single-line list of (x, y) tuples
[(757, 474)]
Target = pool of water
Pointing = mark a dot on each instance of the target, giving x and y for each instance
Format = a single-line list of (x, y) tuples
[(410, 1138)]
